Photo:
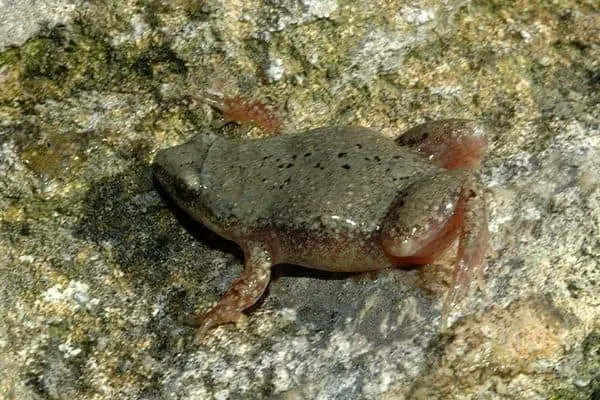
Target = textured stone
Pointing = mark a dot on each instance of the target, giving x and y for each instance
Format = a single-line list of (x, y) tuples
[(99, 273)]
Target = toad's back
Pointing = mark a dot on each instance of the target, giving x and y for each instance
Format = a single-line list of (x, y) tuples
[(336, 179)]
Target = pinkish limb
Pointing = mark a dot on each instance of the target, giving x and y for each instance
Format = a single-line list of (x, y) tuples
[(450, 143), (246, 290), (473, 244)]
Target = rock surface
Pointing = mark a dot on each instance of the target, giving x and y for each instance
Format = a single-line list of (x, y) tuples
[(99, 270), (23, 19)]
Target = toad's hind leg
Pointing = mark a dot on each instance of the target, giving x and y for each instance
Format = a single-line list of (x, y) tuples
[(454, 144), (246, 290), (410, 236)]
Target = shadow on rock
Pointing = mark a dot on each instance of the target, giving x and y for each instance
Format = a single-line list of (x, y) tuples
[(127, 213)]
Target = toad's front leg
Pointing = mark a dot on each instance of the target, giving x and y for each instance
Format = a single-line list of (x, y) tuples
[(246, 290)]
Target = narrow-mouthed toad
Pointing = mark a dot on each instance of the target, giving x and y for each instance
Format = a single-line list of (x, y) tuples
[(336, 199)]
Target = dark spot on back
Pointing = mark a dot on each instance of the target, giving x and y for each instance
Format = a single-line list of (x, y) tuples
[(307, 154), (358, 146), (340, 155), (346, 166), (289, 165)]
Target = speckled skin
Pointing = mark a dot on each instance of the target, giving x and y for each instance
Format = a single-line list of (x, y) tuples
[(335, 198)]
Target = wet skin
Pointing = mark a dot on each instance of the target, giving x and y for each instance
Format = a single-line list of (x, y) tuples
[(335, 199)]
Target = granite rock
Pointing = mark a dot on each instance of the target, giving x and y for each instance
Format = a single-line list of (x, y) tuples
[(99, 270)]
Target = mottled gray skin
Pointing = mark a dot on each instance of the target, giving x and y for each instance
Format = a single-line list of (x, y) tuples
[(335, 198)]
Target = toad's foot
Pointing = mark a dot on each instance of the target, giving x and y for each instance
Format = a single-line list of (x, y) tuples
[(472, 246), (449, 143), (243, 292)]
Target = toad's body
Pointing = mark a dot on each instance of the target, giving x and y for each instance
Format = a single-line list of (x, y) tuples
[(337, 199)]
